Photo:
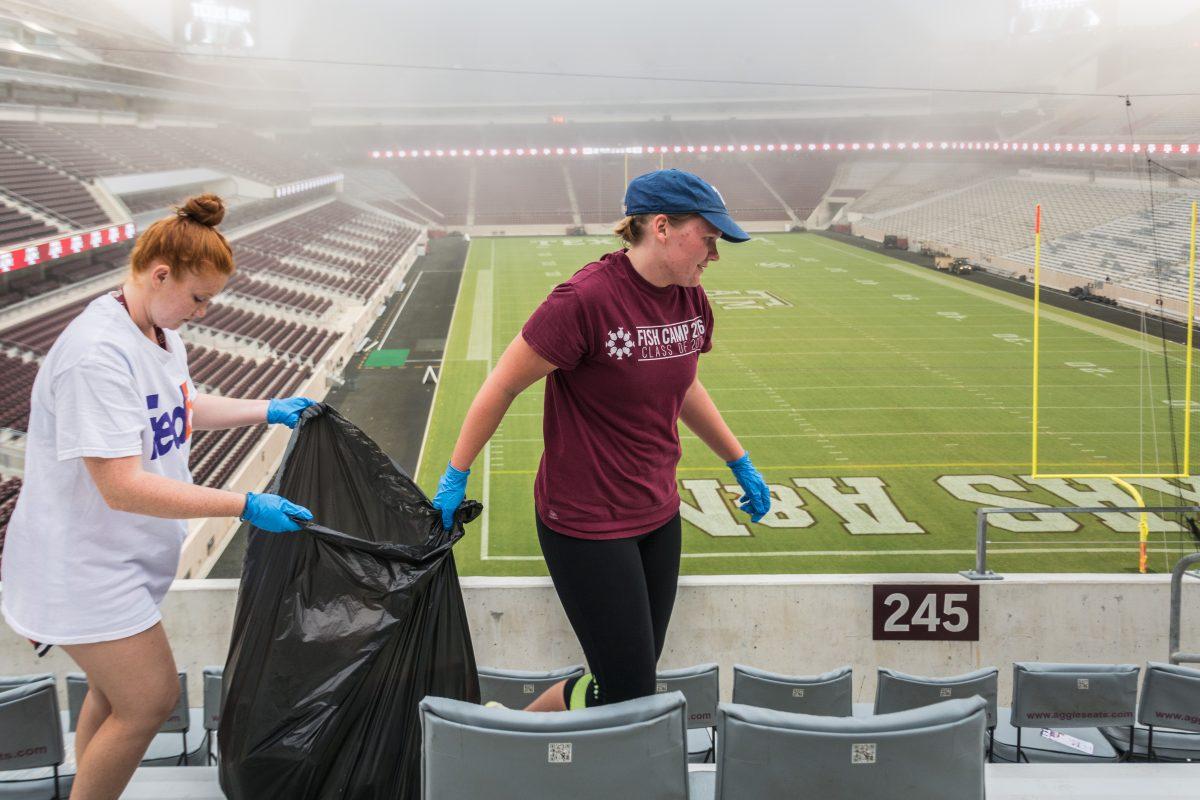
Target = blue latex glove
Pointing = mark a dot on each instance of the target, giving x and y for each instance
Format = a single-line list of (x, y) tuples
[(270, 512), (757, 498), (451, 489), (287, 410)]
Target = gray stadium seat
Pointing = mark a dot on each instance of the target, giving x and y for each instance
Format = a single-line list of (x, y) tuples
[(31, 729), (1168, 716), (213, 680), (932, 753), (76, 691), (702, 688), (623, 750), (896, 691), (828, 694), (13, 681), (179, 721), (1051, 697), (514, 688)]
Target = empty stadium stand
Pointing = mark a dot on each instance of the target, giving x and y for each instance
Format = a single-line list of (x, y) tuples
[(46, 189)]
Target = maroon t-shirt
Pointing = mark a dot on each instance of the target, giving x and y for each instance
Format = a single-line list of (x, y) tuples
[(626, 353)]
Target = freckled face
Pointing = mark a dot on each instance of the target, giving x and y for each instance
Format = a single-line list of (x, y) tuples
[(177, 300), (690, 248)]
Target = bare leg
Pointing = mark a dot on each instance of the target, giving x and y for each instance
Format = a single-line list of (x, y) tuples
[(95, 710), (549, 700), (138, 678)]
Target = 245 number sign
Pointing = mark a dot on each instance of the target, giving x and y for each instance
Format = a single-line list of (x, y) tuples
[(924, 612)]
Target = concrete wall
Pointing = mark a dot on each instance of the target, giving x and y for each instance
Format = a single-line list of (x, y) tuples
[(799, 624)]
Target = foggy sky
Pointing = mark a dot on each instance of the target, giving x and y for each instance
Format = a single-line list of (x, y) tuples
[(947, 43)]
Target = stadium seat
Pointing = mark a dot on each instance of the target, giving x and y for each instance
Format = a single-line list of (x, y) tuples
[(13, 681), (514, 688), (76, 691), (896, 691), (828, 694), (31, 734), (630, 749), (213, 685), (1049, 697), (1168, 716), (701, 686), (179, 721), (932, 753)]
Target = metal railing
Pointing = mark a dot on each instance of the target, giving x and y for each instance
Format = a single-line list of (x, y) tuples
[(982, 573)]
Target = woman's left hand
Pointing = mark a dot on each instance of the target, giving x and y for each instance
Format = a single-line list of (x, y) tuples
[(757, 498), (287, 410)]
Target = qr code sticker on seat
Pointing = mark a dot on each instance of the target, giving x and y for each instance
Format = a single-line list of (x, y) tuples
[(862, 753), (560, 753)]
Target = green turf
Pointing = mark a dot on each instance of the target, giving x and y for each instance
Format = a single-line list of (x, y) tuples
[(845, 372), (385, 358)]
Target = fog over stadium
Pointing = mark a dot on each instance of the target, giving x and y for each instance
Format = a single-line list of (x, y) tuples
[(995, 44)]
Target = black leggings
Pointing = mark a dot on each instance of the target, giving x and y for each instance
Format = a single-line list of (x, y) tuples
[(618, 595)]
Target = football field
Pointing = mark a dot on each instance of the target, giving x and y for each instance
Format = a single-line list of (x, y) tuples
[(883, 402)]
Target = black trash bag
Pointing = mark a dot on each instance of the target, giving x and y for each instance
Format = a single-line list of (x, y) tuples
[(342, 628)]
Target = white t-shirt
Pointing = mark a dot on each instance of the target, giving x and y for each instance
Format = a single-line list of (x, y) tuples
[(74, 570)]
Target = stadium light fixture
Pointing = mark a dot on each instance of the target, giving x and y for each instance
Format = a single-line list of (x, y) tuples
[(691, 149), (545, 151), (677, 149), (744, 148), (703, 148), (757, 148), (574, 151)]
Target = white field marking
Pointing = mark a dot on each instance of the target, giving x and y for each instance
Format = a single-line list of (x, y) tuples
[(851, 553), (437, 386), (479, 343), (1022, 305), (411, 291), (484, 527), (484, 524)]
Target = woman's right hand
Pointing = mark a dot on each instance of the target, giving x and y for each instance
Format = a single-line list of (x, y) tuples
[(270, 512), (451, 490)]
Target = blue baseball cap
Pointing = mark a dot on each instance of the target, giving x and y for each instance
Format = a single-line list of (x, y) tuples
[(673, 191)]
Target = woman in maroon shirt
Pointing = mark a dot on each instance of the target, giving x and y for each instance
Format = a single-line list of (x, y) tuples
[(619, 344)]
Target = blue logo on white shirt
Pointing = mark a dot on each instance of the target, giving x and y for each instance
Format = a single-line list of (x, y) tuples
[(172, 429)]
